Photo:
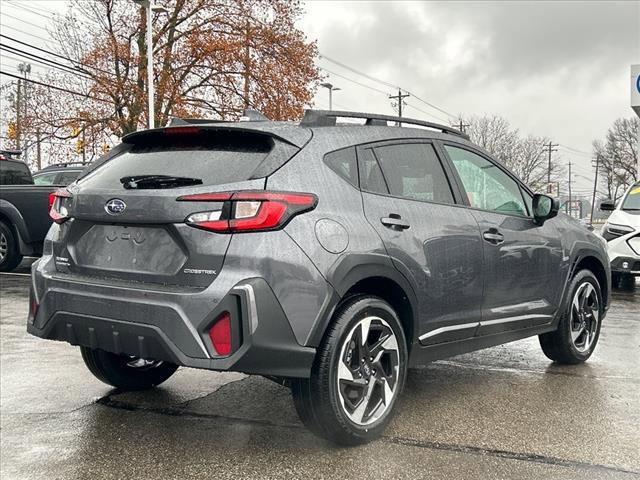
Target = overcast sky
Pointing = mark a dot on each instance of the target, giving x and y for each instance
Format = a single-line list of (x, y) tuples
[(556, 69)]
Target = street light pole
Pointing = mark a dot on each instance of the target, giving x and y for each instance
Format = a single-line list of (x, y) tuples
[(151, 89), (331, 89), (150, 7)]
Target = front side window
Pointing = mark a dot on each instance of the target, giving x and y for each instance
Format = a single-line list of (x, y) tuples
[(487, 186), (413, 170)]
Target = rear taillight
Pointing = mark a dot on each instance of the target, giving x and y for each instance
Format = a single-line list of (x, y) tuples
[(59, 205), (220, 334), (248, 211)]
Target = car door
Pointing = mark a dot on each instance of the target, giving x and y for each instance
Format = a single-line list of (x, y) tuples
[(434, 242), (522, 260)]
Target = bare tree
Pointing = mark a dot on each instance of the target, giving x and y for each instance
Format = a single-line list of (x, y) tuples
[(618, 156), (525, 156)]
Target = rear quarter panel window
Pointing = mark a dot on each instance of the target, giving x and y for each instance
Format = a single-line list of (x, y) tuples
[(344, 163)]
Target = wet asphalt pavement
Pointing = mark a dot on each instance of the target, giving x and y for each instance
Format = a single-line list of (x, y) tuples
[(504, 412)]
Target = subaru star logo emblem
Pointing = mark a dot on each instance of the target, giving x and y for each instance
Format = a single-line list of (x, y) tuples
[(115, 206)]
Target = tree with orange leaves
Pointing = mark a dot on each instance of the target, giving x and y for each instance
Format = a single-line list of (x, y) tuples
[(212, 59)]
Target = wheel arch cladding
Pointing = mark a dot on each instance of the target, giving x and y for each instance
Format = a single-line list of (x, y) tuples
[(371, 274), (389, 291), (595, 266)]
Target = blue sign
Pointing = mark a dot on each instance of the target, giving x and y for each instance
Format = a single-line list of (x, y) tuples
[(638, 83)]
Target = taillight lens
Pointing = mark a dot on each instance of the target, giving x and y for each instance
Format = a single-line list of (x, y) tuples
[(220, 334), (59, 205), (249, 211)]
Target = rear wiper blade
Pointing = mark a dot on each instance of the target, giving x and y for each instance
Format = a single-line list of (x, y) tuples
[(158, 181)]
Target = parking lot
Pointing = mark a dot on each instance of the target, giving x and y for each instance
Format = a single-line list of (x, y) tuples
[(505, 412)]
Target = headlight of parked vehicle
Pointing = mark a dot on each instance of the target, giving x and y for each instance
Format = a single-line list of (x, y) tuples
[(611, 231)]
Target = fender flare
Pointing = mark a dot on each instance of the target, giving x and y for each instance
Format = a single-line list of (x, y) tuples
[(346, 272), (16, 221)]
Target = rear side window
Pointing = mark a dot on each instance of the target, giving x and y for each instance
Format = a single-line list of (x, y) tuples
[(65, 178), (215, 158), (14, 173), (413, 171), (371, 179), (45, 178), (343, 162)]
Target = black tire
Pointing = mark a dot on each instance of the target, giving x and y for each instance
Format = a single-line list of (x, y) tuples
[(615, 280), (10, 254), (318, 398), (115, 370), (558, 345), (627, 282)]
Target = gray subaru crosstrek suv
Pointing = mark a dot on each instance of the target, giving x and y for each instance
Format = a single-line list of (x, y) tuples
[(328, 256)]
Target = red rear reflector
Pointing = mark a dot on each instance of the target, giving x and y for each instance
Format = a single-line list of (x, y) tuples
[(220, 334)]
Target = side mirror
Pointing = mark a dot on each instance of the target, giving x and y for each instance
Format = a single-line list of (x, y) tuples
[(607, 205), (544, 208)]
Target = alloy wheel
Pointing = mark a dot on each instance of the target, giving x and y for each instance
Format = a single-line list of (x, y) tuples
[(585, 315), (142, 363), (368, 369), (4, 247)]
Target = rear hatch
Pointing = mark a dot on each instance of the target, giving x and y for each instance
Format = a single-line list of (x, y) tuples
[(125, 221)]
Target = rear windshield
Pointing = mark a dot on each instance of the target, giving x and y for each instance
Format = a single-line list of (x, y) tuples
[(14, 173), (212, 158)]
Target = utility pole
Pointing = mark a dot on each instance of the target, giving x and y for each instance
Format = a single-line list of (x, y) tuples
[(550, 147), (38, 150), (247, 63), (570, 209), (461, 126), (399, 97), (18, 116), (595, 185)]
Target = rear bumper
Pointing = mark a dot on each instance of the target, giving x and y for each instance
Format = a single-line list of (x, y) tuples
[(153, 325)]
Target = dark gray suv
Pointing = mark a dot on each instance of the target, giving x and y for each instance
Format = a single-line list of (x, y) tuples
[(328, 256)]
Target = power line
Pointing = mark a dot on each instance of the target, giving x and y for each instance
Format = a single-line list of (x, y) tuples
[(576, 150), (26, 33), (25, 22), (388, 84), (354, 81), (56, 88), (45, 61), (43, 50), (425, 112), (33, 6), (351, 69), (27, 9)]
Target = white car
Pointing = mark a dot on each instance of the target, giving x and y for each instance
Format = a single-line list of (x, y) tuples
[(622, 233)]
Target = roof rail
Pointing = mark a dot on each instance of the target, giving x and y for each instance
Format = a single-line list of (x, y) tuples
[(65, 164), (327, 118)]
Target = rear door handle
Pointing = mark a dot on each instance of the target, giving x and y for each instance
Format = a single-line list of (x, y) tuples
[(493, 236), (394, 222)]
